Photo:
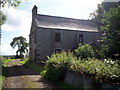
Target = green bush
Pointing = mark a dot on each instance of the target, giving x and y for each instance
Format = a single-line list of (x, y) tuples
[(84, 51), (57, 64), (101, 70), (103, 52)]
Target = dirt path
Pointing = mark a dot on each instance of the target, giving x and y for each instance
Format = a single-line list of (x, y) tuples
[(18, 76)]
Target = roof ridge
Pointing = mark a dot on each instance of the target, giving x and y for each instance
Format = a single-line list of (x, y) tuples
[(64, 17)]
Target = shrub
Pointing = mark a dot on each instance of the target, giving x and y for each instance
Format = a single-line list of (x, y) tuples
[(56, 65), (84, 51), (100, 70), (103, 52)]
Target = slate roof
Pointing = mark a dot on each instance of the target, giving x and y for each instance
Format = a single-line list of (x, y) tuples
[(55, 22)]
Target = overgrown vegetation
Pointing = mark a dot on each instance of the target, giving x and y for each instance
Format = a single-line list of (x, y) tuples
[(102, 71), (111, 28), (103, 52), (106, 70), (56, 65), (108, 17), (84, 51)]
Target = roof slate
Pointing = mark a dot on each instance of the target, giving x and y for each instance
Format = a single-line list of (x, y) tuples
[(55, 22)]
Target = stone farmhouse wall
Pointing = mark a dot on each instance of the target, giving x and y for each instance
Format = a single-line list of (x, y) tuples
[(43, 41)]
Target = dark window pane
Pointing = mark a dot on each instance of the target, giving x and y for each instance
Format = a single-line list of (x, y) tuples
[(57, 37), (80, 38)]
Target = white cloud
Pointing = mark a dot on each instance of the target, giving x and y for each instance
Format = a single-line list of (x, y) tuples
[(17, 20)]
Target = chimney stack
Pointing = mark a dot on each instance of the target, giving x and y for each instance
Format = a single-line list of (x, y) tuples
[(34, 11)]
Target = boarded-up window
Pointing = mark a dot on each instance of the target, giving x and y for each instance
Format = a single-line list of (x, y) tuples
[(81, 38), (57, 37)]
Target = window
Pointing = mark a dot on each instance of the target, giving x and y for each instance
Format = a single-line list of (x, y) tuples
[(81, 38), (57, 37), (57, 50), (35, 54), (35, 38)]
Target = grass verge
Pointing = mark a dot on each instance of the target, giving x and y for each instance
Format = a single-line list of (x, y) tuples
[(3, 67), (6, 61), (35, 66), (23, 61)]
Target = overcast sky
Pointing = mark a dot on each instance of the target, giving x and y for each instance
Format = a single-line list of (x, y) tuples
[(19, 19)]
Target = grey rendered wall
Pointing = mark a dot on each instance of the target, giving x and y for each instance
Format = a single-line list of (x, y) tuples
[(46, 44), (43, 43), (32, 46)]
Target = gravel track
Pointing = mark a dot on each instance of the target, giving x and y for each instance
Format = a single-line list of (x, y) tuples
[(19, 76)]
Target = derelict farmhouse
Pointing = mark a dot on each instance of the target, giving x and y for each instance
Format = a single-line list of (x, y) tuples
[(51, 33)]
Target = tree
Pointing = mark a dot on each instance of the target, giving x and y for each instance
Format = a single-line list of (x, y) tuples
[(108, 16), (111, 28), (22, 45), (97, 15)]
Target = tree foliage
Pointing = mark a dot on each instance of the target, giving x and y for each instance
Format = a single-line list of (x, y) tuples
[(2, 18), (103, 52), (111, 28), (97, 15), (22, 45), (108, 16), (7, 3), (13, 3)]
